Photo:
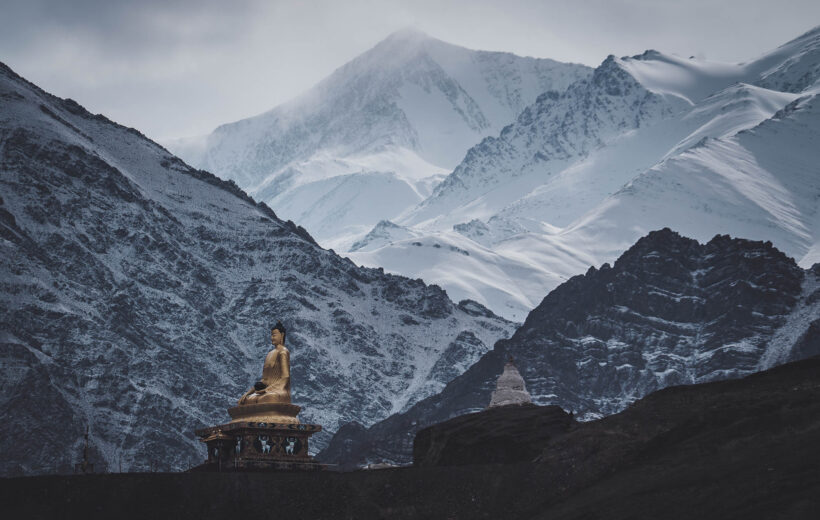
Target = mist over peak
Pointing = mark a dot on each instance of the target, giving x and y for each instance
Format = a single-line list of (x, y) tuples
[(386, 126)]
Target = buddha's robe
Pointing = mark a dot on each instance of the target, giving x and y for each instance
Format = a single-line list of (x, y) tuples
[(275, 377)]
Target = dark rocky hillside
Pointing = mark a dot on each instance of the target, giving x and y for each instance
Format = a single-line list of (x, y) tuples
[(670, 311), (499, 435), (740, 449), (136, 296)]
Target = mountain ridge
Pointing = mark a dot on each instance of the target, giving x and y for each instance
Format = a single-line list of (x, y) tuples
[(137, 292), (582, 174), (407, 108), (669, 311)]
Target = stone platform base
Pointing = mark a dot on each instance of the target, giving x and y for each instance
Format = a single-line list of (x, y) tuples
[(258, 446)]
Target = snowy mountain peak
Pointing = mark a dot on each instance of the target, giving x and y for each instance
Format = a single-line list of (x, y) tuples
[(792, 67), (691, 79), (558, 129), (399, 117), (385, 232), (805, 41), (400, 49), (645, 142), (407, 35), (649, 54), (613, 77)]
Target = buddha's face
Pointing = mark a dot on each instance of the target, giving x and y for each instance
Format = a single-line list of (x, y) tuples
[(276, 337)]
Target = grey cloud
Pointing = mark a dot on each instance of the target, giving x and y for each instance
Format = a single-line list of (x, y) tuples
[(174, 68), (123, 26)]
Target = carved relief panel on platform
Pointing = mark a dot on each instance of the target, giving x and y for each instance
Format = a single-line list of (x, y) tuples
[(263, 444), (292, 446)]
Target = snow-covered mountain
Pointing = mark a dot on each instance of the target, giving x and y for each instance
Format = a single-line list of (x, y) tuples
[(137, 293), (547, 138), (669, 311), (645, 142), (763, 182), (373, 138)]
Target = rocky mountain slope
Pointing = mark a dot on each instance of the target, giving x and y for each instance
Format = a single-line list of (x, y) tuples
[(646, 142), (138, 292), (669, 311), (373, 138)]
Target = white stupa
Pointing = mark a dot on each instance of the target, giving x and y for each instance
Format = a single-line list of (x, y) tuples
[(510, 388)]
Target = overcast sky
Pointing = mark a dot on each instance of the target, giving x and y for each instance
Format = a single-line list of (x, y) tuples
[(180, 68)]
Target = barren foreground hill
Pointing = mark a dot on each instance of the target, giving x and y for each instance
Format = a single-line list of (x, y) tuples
[(746, 448)]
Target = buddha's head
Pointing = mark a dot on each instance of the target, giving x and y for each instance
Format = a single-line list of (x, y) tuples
[(277, 334)]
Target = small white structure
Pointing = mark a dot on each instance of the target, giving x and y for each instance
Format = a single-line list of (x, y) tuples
[(510, 388)]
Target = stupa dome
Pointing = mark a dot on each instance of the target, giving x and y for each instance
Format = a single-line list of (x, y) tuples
[(510, 388)]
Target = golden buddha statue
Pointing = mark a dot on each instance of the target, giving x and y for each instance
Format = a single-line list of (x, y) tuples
[(269, 399), (275, 384)]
